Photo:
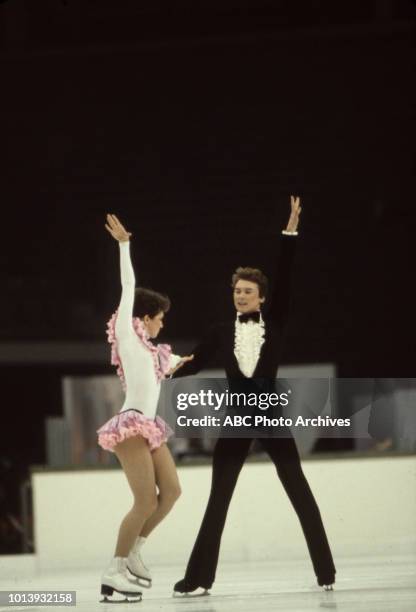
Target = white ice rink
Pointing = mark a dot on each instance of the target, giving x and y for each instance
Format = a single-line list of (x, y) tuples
[(369, 511), (385, 583)]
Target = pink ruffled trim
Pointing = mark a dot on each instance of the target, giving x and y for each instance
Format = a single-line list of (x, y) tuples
[(160, 353), (131, 423)]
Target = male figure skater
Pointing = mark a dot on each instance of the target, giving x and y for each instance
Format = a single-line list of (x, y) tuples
[(249, 347)]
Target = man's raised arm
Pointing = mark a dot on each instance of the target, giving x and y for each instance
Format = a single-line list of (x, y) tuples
[(280, 295)]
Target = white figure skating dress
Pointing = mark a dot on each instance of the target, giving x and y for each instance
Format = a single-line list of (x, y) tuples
[(141, 366)]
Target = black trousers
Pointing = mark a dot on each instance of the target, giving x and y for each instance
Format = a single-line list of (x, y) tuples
[(228, 459)]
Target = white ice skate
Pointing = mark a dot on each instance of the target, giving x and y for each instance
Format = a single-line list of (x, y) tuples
[(116, 579), (328, 587), (136, 566)]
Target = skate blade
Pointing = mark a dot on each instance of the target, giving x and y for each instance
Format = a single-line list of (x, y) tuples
[(121, 601), (145, 583), (196, 593), (112, 595)]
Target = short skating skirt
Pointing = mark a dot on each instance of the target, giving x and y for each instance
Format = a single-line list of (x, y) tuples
[(131, 423)]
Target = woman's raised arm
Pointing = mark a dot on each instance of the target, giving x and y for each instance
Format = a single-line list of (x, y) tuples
[(128, 281)]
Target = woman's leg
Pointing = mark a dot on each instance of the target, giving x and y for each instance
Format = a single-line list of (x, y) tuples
[(285, 456), (168, 484), (135, 459)]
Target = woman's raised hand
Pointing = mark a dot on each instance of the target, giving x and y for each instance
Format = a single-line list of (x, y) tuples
[(116, 229)]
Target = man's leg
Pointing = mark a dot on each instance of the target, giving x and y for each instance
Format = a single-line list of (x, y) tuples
[(285, 456), (228, 459)]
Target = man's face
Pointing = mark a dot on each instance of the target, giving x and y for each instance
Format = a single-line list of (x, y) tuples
[(246, 296)]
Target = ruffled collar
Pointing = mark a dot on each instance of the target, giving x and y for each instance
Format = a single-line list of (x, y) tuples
[(160, 352)]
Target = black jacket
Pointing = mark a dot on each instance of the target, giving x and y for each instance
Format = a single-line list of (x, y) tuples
[(219, 341)]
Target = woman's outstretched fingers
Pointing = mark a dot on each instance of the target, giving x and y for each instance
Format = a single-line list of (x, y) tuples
[(116, 229), (111, 221), (108, 228), (117, 223)]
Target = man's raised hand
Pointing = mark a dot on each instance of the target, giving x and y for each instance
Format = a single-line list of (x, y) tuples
[(295, 210), (116, 229)]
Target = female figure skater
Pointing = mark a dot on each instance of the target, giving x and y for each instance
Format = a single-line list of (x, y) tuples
[(135, 435)]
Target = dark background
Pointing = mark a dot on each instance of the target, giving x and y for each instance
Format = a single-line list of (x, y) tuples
[(194, 122)]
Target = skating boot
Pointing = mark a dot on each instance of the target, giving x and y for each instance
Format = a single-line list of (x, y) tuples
[(185, 588), (116, 579), (327, 581), (136, 566)]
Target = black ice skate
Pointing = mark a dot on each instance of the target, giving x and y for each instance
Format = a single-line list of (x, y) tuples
[(185, 588)]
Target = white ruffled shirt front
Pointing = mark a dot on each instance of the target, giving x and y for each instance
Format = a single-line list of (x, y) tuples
[(248, 340)]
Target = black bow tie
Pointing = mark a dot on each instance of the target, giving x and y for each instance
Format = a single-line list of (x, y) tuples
[(250, 316)]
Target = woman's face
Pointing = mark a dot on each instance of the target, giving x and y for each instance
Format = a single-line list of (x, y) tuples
[(154, 324)]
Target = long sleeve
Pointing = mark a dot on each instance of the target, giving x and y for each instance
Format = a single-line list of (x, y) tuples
[(280, 296), (174, 360), (128, 283), (203, 353)]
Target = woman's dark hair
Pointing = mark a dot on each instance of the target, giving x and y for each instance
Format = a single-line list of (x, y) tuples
[(148, 302), (251, 274)]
